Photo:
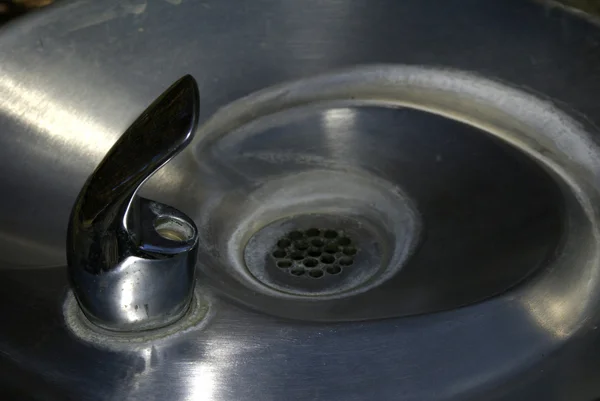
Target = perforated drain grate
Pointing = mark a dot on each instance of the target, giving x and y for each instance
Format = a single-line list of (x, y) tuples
[(314, 252)]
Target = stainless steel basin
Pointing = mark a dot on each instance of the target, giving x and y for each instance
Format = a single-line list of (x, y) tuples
[(395, 200)]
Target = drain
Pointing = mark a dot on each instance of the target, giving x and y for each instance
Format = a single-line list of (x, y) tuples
[(317, 254), (315, 251)]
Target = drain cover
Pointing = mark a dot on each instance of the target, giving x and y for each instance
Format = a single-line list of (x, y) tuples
[(315, 254)]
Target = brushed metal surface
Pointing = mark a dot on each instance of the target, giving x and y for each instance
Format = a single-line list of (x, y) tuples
[(73, 77)]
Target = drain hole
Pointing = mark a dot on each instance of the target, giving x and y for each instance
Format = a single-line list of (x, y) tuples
[(346, 261), (314, 252), (330, 234), (317, 242), (278, 254), (313, 232), (327, 259), (350, 250), (316, 273), (331, 248), (344, 241), (283, 243), (311, 262), (333, 270), (301, 245), (295, 235), (297, 271)]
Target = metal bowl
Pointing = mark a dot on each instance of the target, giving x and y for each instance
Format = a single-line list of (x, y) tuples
[(442, 155)]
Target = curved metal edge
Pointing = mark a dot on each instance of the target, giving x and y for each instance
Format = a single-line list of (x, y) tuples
[(535, 126)]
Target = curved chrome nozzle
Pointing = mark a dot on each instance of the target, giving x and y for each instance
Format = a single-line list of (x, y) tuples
[(132, 260)]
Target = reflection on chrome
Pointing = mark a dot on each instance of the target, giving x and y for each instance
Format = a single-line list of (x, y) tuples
[(339, 121), (555, 316), (562, 311), (38, 109), (132, 312), (339, 125), (201, 382)]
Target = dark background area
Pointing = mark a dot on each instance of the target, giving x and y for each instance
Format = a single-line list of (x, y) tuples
[(13, 8)]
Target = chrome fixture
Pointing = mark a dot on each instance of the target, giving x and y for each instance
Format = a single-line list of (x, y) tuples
[(132, 260)]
